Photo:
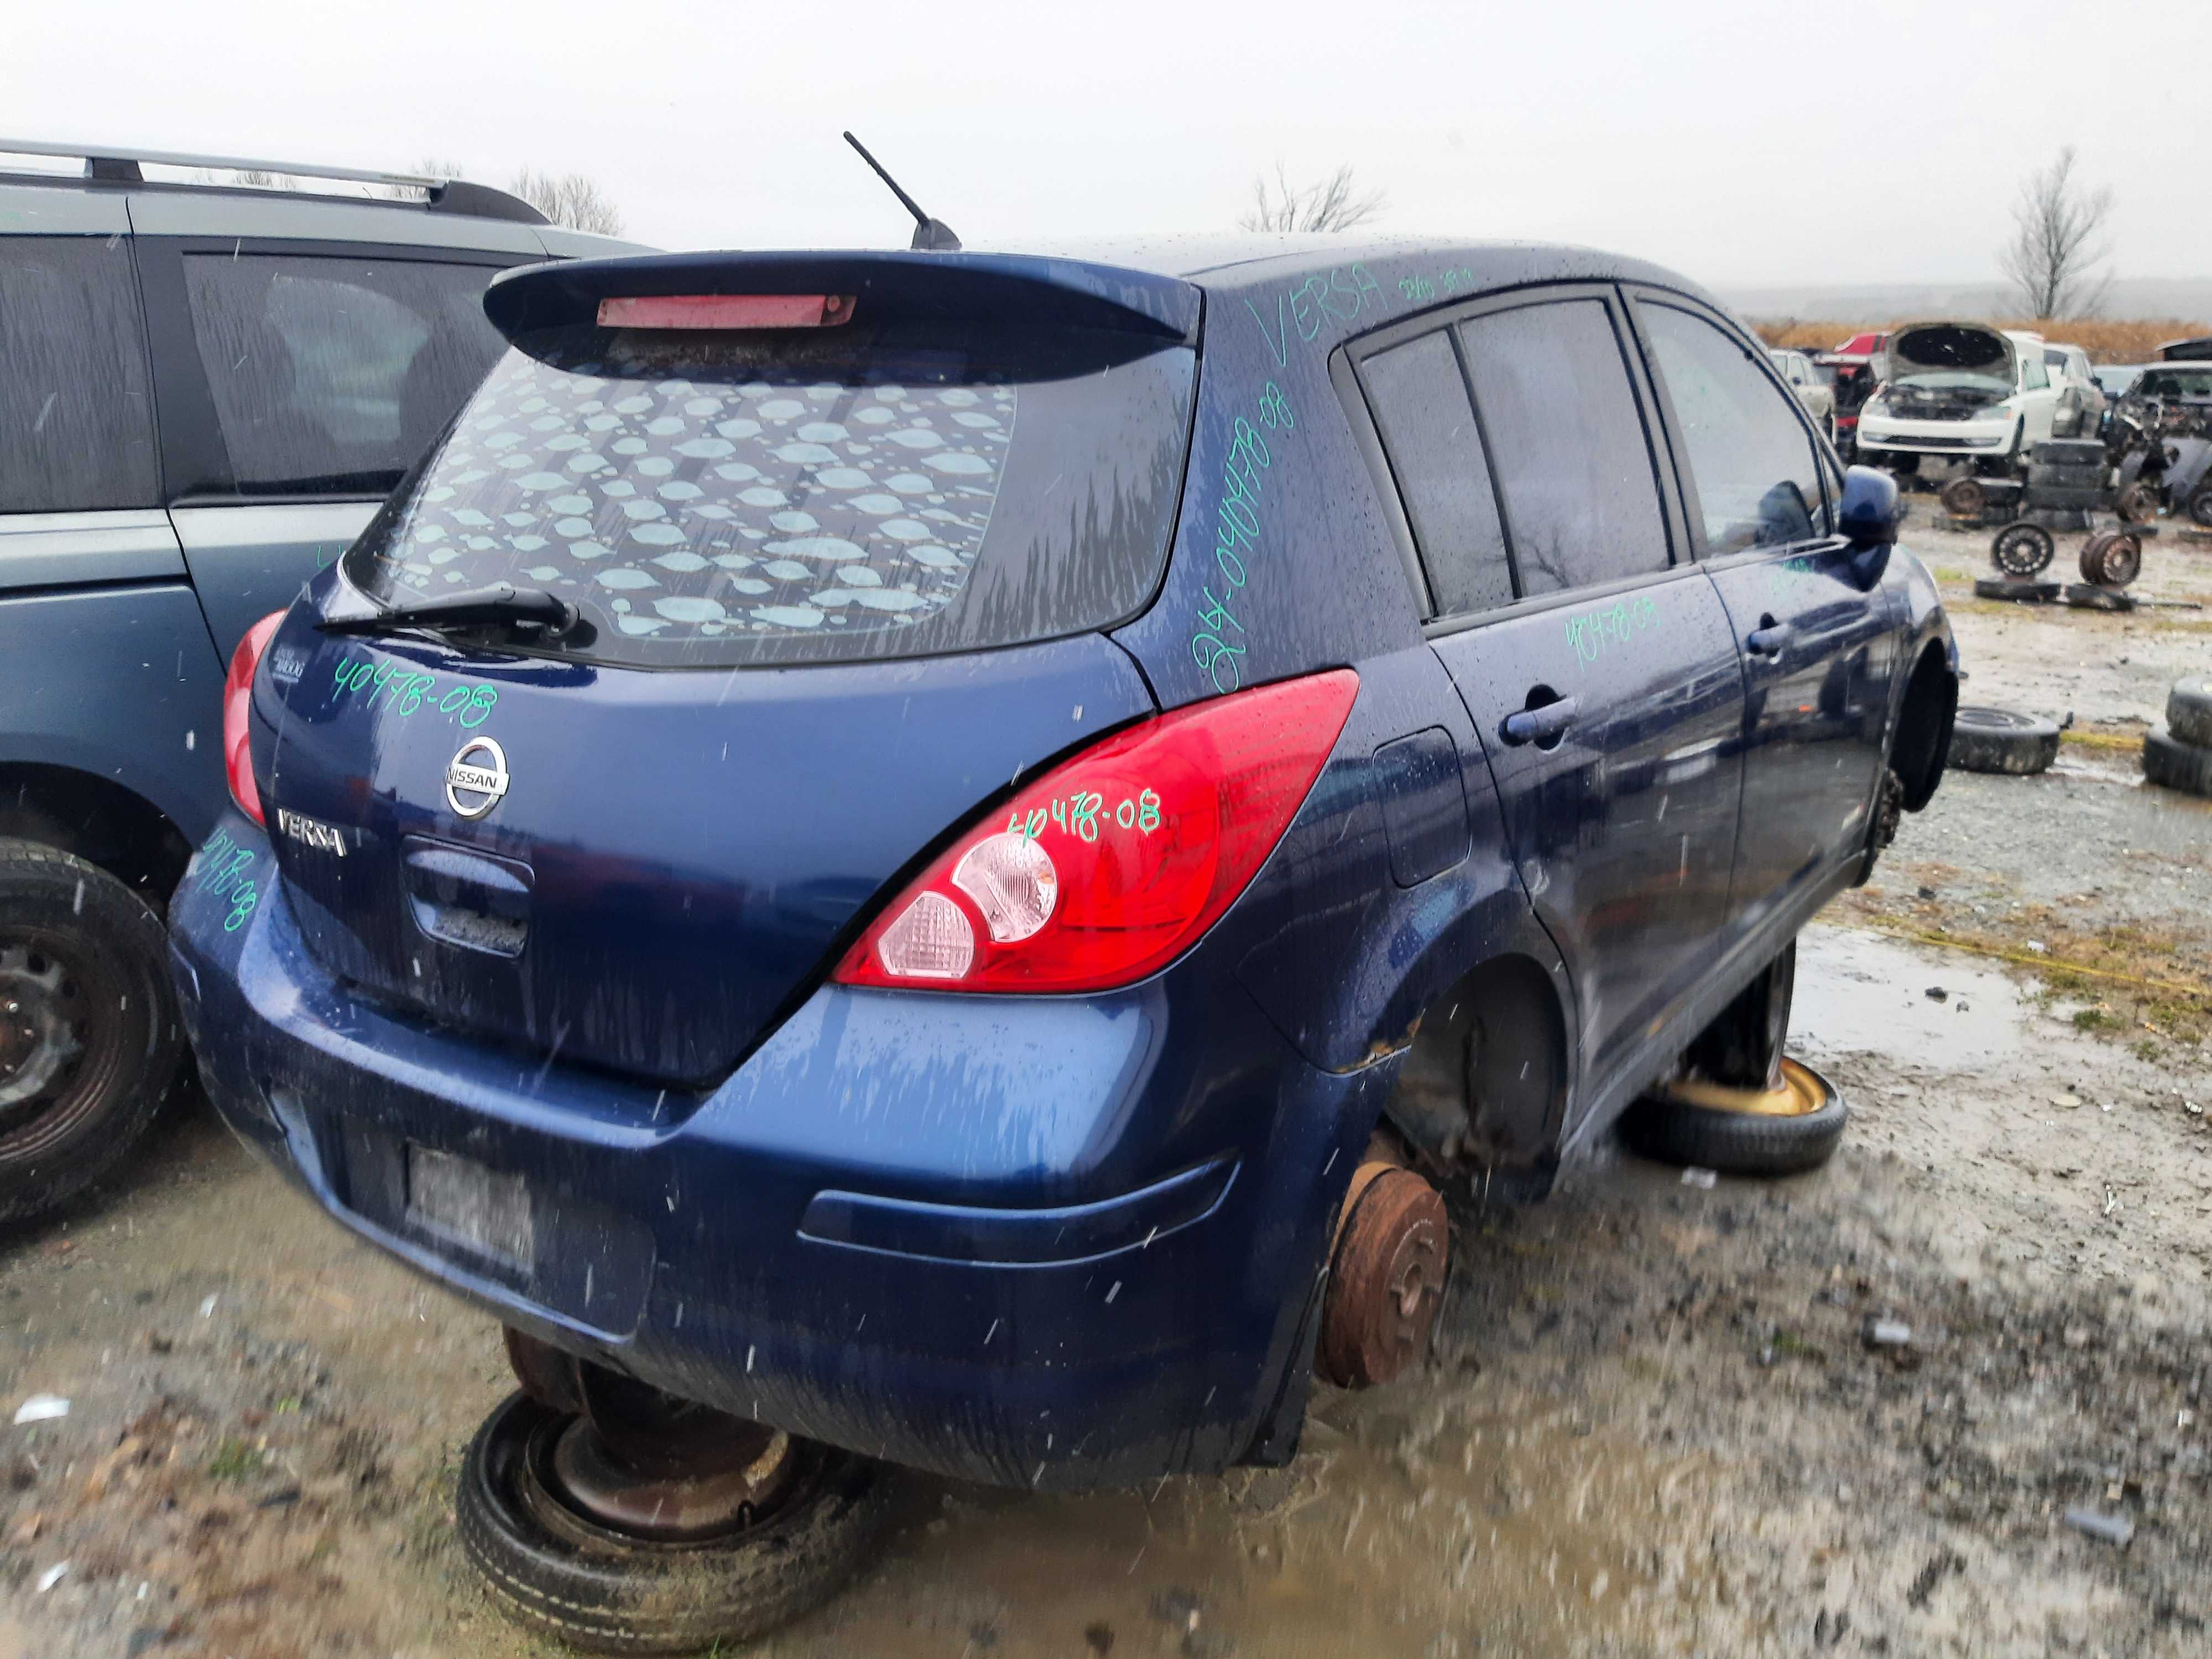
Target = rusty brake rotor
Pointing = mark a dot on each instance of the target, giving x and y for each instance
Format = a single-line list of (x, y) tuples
[(1387, 1276)]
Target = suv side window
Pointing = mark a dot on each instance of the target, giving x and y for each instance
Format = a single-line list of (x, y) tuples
[(1749, 454), (1419, 398), (333, 375), (76, 415), (1567, 445), (2032, 375)]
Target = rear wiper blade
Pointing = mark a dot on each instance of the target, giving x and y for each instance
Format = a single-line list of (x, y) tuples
[(477, 607)]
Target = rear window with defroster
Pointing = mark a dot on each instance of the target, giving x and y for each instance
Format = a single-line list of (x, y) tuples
[(800, 496)]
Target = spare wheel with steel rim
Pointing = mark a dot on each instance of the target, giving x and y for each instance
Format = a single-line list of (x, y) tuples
[(1964, 498), (2022, 550), (1792, 1126), (2000, 740), (551, 1562), (2137, 503), (89, 1043)]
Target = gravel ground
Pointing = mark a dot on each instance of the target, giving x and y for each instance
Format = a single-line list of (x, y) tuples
[(1652, 1423)]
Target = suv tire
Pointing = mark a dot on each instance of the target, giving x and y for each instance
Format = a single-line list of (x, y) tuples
[(89, 1041), (1998, 740)]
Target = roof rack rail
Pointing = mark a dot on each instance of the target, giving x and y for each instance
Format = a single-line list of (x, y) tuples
[(113, 164)]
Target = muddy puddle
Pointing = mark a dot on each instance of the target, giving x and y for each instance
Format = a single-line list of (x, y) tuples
[(1859, 992)]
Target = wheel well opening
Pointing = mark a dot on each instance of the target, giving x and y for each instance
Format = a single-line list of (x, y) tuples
[(100, 821), (1924, 728), (1486, 1083)]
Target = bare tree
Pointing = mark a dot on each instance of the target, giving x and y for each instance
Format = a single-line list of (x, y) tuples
[(1335, 203), (570, 199), (2058, 236)]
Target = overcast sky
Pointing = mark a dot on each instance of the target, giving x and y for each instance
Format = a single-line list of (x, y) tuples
[(1742, 142)]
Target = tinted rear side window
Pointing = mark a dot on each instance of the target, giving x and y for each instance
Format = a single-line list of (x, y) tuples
[(331, 376), (1567, 445), (773, 497), (1750, 455), (76, 422), (1419, 402)]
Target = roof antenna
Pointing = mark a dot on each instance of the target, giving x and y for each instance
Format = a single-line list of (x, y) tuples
[(932, 236)]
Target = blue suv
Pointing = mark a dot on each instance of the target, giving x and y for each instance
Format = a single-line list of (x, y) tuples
[(207, 391), (901, 856)]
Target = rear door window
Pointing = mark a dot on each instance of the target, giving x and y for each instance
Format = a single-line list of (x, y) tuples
[(77, 419), (1751, 457), (331, 376), (782, 497), (1567, 444), (1419, 398)]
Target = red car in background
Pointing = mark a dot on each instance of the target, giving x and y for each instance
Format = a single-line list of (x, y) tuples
[(1852, 364)]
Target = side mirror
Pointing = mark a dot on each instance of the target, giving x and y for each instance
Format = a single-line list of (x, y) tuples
[(1867, 515)]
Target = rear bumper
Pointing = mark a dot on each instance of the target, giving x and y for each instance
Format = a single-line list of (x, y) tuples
[(1048, 1241)]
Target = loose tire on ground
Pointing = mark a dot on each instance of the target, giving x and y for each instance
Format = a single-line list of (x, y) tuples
[(2189, 711), (2066, 477), (1742, 1131), (2087, 598), (89, 1042), (1998, 740), (2112, 558), (2023, 550), (2167, 760), (2016, 591), (1964, 498), (569, 1578), (2067, 452), (2063, 496), (2137, 503)]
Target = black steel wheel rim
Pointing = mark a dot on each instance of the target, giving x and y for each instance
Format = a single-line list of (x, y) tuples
[(2022, 550), (64, 1037)]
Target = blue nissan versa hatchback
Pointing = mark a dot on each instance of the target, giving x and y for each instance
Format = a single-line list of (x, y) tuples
[(870, 847)]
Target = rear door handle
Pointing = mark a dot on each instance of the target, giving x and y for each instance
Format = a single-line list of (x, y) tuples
[(1542, 725), (1770, 641)]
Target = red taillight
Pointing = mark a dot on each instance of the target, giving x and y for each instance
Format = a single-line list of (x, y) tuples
[(726, 311), (1111, 865), (237, 693)]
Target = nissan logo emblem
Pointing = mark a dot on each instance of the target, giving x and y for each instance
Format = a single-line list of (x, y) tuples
[(479, 770)]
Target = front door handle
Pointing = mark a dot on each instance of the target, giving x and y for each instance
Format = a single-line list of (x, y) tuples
[(1538, 725), (1769, 641)]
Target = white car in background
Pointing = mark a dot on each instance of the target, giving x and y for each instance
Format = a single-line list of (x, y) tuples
[(1815, 390), (2081, 398), (1962, 391)]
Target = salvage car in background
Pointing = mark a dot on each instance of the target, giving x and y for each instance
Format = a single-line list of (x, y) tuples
[(206, 392), (2159, 435), (1961, 391), (1814, 389), (918, 896)]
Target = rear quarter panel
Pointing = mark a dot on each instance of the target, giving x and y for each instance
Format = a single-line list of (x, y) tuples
[(120, 682)]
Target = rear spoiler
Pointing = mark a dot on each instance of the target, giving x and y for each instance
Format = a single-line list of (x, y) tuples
[(963, 288)]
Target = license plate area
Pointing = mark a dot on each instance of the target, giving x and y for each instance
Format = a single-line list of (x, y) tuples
[(464, 1203)]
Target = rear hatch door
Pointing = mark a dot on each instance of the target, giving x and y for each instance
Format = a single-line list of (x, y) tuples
[(839, 587)]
